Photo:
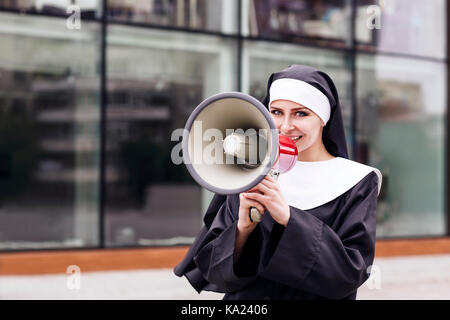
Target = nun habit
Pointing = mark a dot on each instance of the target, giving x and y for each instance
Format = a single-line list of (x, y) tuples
[(328, 245)]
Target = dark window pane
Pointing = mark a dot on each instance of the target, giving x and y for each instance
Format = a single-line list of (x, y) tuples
[(209, 15), (301, 21), (49, 118), (86, 9)]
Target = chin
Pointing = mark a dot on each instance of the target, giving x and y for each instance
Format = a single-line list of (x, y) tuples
[(301, 147)]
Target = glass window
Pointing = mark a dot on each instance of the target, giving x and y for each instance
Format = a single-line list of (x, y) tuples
[(86, 8), (261, 59), (401, 131), (415, 27), (207, 15), (155, 80), (49, 105), (301, 21)]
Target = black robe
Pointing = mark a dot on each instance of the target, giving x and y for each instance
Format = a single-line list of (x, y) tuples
[(322, 253)]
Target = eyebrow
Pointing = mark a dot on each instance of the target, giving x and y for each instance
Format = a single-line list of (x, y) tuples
[(293, 109)]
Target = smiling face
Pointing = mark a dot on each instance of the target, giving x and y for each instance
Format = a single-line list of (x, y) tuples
[(299, 123)]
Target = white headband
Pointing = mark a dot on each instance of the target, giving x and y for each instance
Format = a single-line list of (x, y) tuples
[(302, 93)]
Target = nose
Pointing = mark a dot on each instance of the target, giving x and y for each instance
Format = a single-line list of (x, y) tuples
[(286, 125)]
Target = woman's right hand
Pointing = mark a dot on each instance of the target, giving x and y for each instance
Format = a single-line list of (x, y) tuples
[(244, 222)]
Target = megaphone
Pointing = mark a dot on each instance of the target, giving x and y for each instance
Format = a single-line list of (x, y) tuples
[(230, 143)]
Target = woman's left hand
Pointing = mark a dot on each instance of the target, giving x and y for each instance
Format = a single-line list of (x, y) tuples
[(268, 193)]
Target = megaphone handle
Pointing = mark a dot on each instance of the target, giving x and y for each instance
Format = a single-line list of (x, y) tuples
[(254, 214)]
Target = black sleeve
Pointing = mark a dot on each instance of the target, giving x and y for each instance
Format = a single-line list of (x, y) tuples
[(187, 266), (215, 259), (332, 263)]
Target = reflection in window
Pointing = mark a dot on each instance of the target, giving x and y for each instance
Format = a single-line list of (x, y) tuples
[(210, 15), (294, 20), (154, 84), (88, 8), (49, 122), (414, 27), (401, 107)]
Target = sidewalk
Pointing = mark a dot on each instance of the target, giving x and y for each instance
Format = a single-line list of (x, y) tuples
[(417, 277)]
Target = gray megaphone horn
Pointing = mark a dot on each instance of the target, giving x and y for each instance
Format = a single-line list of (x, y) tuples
[(230, 143)]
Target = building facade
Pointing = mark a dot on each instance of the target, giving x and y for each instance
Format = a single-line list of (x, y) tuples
[(91, 93)]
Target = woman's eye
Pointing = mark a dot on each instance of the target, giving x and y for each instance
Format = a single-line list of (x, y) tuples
[(276, 112), (301, 114)]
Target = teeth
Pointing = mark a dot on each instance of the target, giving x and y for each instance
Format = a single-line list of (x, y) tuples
[(296, 138)]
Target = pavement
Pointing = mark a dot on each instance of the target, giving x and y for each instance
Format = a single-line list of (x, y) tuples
[(401, 278)]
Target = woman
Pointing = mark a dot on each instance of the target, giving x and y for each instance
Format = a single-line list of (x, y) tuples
[(317, 236)]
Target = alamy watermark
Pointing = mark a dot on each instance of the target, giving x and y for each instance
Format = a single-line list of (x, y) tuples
[(74, 20), (374, 280), (374, 20), (207, 146), (73, 281)]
